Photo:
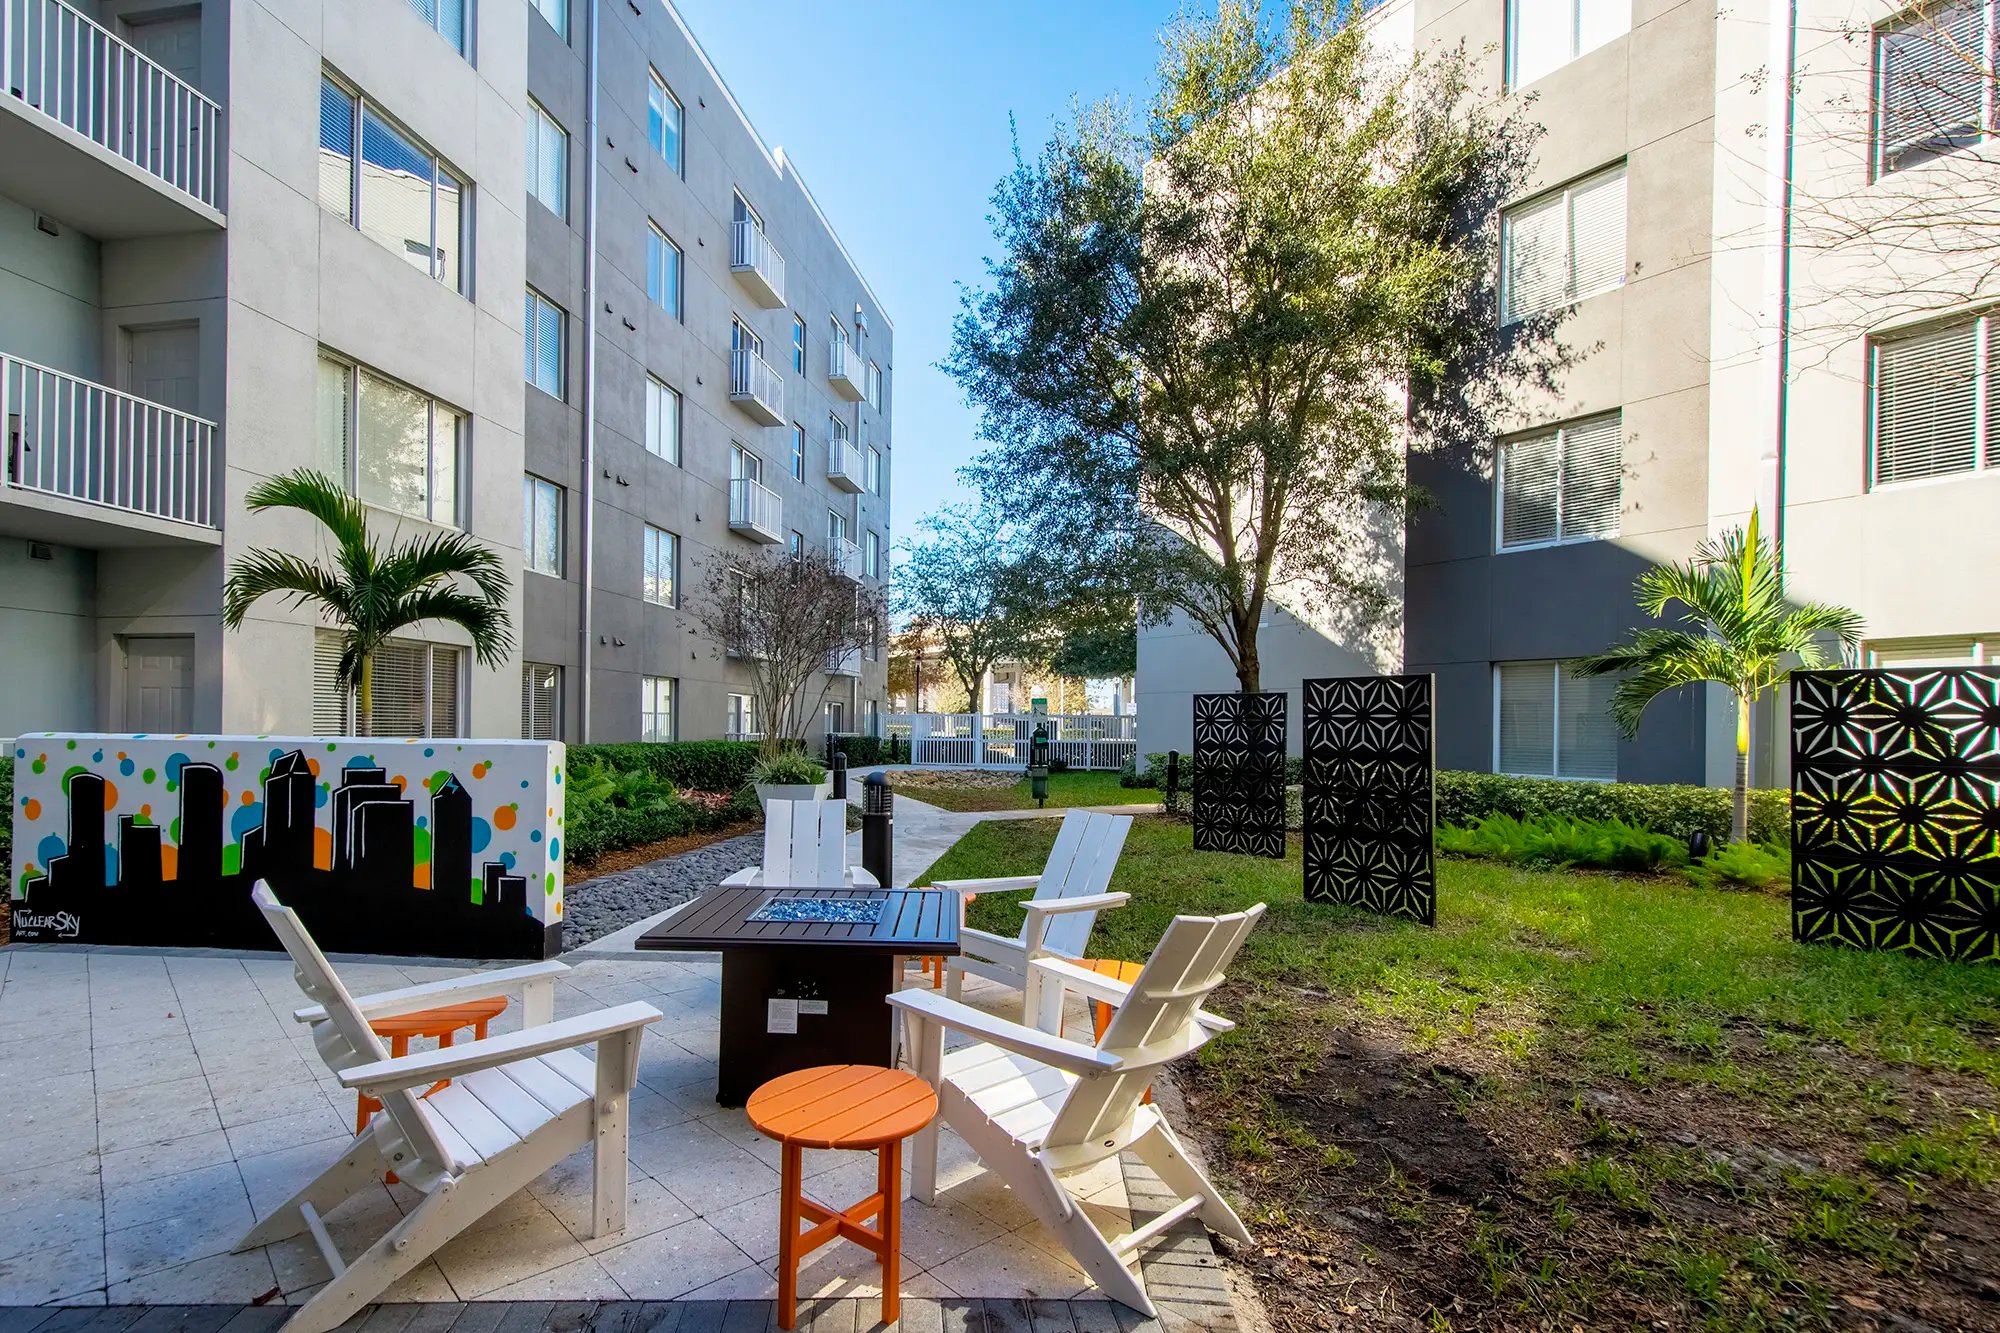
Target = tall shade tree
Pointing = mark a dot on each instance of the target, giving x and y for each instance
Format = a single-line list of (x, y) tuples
[(1208, 340), (370, 592), (963, 591), (1740, 633)]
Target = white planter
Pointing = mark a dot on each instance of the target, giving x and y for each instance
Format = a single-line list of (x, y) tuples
[(768, 792)]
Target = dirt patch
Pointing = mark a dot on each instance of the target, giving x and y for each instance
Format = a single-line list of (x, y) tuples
[(626, 858), (953, 779)]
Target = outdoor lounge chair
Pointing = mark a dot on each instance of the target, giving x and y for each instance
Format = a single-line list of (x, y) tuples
[(1069, 893), (1037, 1109), (805, 847), (517, 1105)]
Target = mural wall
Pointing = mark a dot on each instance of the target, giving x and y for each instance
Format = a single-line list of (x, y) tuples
[(1239, 773), (1896, 810), (417, 847), (1370, 794)]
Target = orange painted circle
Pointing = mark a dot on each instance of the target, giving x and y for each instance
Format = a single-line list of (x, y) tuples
[(503, 818), (842, 1106)]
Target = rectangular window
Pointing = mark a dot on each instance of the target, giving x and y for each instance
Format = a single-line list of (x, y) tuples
[(1931, 402), (744, 464), (874, 470), (446, 17), (663, 421), (1549, 724), (836, 717), (548, 339), (548, 161), (871, 554), (798, 451), (798, 545), (395, 191), (662, 562), (541, 702), (656, 708), (836, 528), (1562, 485), (1563, 246), (798, 345), (541, 521), (557, 14), (390, 445), (663, 271), (1544, 35), (873, 386), (414, 687), (663, 121), (1934, 87), (741, 723), (1938, 651)]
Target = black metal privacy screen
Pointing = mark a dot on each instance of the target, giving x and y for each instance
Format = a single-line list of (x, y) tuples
[(1239, 773), (1896, 810), (1370, 794)]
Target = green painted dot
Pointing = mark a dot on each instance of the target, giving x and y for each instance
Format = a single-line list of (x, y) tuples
[(148, 776), (230, 763), (211, 745), (550, 887), (40, 765), (72, 745), (423, 846)]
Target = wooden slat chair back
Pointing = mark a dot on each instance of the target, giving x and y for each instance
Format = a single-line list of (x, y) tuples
[(805, 847)]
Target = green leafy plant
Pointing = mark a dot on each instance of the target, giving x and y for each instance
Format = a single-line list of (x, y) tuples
[(370, 591), (793, 768), (1679, 811), (702, 765), (1557, 842), (1744, 865), (1740, 633)]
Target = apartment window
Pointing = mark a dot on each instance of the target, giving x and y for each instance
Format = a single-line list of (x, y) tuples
[(548, 161), (1544, 35), (741, 721), (663, 421), (836, 528), (872, 386), (446, 18), (548, 337), (798, 451), (663, 121), (798, 345), (656, 708), (837, 343), (874, 470), (1934, 90), (1561, 485), (542, 515), (1931, 402), (395, 191), (744, 465), (1563, 246), (836, 717), (871, 554), (836, 429), (541, 702), (393, 446), (662, 561), (798, 544), (414, 688), (557, 14), (663, 271), (743, 338), (1550, 724), (1946, 650)]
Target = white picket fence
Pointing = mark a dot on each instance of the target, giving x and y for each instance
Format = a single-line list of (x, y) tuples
[(1000, 740)]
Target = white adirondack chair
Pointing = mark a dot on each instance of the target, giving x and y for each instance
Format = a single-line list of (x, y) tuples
[(518, 1104), (1072, 888), (805, 847), (1037, 1108)]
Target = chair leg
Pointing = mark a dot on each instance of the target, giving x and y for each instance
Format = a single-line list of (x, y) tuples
[(359, 1167), (1064, 1216), (954, 980), (1161, 1151)]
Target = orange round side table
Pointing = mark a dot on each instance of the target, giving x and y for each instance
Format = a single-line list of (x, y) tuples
[(440, 1025), (859, 1107)]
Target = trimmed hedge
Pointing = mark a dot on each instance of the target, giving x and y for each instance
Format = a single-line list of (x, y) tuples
[(867, 751), (698, 765), (597, 827)]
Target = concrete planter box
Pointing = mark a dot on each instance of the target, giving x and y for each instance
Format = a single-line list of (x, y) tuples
[(768, 792)]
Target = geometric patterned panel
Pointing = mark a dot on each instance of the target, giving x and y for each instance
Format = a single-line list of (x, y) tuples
[(1239, 773), (1370, 794), (1896, 810)]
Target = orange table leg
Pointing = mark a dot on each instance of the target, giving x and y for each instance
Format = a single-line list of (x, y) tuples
[(889, 1178), (790, 1188)]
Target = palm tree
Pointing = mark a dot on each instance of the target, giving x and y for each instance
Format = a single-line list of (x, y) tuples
[(370, 592), (1740, 632)]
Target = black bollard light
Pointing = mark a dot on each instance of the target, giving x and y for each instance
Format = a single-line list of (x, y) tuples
[(1038, 765), (1173, 779), (839, 776), (878, 828)]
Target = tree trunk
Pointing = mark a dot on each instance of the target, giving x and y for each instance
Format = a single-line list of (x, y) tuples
[(1739, 822), (1249, 670), (364, 698)]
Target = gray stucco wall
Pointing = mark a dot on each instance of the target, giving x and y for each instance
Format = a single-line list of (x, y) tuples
[(48, 293), (47, 638)]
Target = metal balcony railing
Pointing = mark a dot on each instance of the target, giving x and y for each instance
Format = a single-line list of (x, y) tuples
[(844, 373), (844, 464), (82, 76), (755, 510), (69, 437), (756, 387), (758, 265), (846, 557)]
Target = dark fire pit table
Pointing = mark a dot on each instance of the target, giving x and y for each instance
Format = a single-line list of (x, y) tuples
[(806, 973)]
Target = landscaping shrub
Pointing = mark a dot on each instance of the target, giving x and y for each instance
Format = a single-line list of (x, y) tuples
[(702, 765), (1678, 811), (866, 751), (7, 819), (611, 807), (1130, 776), (1760, 866), (789, 768), (1592, 844)]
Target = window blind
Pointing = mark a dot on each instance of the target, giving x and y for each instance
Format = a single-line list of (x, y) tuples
[(1586, 737), (1927, 403), (1597, 234), (1932, 652), (545, 344), (548, 161), (1931, 86), (541, 691), (444, 691), (1529, 469), (1553, 725), (331, 715), (1527, 710), (1592, 466), (1562, 485), (1536, 265), (414, 688)]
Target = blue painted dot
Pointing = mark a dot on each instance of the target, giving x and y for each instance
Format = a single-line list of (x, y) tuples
[(97, 757), (482, 834), (125, 767), (48, 849), (320, 795), (23, 754), (429, 751), (535, 836), (245, 818), (507, 859), (524, 784), (423, 821), (555, 849), (173, 765), (361, 761)]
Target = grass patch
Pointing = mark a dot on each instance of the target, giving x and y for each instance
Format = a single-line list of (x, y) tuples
[(936, 787), (1583, 1099)]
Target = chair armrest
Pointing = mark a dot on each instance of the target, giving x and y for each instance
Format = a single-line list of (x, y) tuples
[(1073, 1056), (427, 1067), (433, 994), (1041, 909), (981, 944), (747, 875), (999, 884), (1105, 990)]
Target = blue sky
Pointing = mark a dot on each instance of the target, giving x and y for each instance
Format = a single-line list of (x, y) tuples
[(896, 113)]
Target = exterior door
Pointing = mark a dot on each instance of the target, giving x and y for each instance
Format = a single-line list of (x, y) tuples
[(159, 684), (163, 364), (173, 43)]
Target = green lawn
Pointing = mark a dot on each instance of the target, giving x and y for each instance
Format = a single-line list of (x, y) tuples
[(1581, 1101), (1065, 790)]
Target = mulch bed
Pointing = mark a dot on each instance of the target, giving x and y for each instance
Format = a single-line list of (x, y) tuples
[(629, 857)]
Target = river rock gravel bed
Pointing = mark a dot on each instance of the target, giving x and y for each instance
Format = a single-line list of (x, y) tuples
[(597, 907)]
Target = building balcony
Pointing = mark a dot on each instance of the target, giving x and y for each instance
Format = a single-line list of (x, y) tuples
[(756, 511), (98, 135), (758, 265), (845, 664), (844, 373), (846, 557), (756, 387), (844, 465), (92, 459)]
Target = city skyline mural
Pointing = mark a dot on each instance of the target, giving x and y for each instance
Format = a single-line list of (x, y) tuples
[(420, 847)]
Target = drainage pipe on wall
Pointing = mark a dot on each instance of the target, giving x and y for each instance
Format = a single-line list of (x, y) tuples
[(587, 524)]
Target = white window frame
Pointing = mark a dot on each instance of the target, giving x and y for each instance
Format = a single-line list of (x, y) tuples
[(799, 343), (539, 120), (661, 549), (872, 386), (1936, 146), (874, 470), (1576, 48), (1500, 544), (798, 452), (1985, 447), (871, 553), (534, 305), (360, 105), (659, 246), (745, 462), (740, 709), (529, 673), (664, 400), (1572, 294), (433, 14), (650, 718), (462, 656), (1555, 722), (559, 19), (460, 445), (532, 488), (657, 89), (1979, 650)]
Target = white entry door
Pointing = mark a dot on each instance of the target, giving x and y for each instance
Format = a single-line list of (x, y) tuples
[(159, 684), (173, 43), (163, 364)]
